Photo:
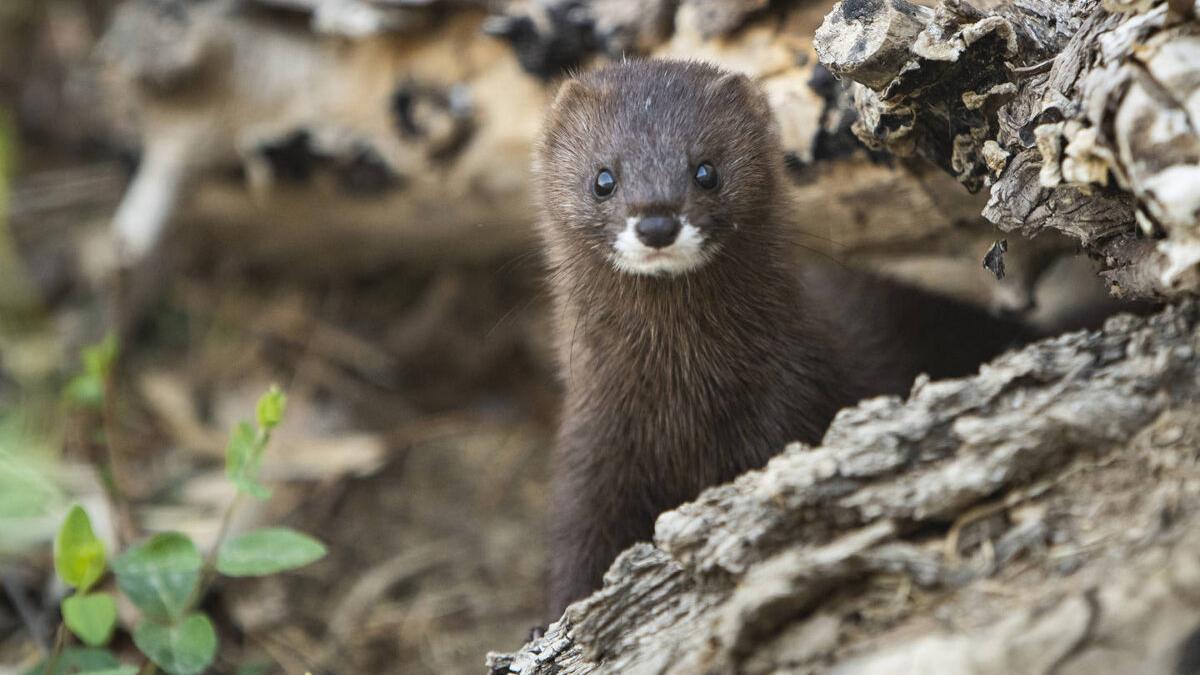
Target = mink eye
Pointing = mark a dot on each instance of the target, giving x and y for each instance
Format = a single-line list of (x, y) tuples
[(605, 184), (706, 176)]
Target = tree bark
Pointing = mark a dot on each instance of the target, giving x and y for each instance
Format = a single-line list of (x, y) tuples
[(1081, 117), (1038, 517)]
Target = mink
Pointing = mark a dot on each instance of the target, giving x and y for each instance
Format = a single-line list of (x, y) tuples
[(693, 343)]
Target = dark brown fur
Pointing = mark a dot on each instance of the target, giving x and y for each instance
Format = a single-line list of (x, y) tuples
[(677, 383)]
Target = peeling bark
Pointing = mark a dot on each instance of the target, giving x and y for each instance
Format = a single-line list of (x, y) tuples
[(1080, 116)]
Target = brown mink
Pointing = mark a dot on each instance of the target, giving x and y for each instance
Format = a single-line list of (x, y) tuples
[(692, 344)]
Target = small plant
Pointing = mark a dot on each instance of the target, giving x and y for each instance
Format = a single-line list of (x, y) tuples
[(86, 389), (165, 576)]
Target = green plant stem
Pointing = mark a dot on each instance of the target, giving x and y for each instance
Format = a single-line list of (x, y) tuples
[(117, 491), (149, 669), (209, 569), (210, 561), (60, 643)]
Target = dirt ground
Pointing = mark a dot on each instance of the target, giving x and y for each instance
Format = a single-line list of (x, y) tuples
[(421, 407)]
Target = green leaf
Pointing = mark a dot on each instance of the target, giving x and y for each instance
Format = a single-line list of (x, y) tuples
[(270, 408), (160, 575), (121, 670), (98, 359), (85, 391), (240, 454), (91, 617), (185, 648), (78, 554), (267, 551), (243, 461), (79, 660)]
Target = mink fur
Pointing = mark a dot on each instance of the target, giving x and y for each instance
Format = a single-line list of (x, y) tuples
[(678, 382)]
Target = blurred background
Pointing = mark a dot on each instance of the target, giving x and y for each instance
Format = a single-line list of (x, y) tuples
[(334, 195)]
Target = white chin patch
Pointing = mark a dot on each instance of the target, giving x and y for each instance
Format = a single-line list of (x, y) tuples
[(685, 254)]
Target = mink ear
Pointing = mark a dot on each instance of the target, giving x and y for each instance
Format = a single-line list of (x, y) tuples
[(570, 92), (731, 81), (737, 89)]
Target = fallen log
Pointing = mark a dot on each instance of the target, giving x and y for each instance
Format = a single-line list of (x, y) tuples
[(1038, 517)]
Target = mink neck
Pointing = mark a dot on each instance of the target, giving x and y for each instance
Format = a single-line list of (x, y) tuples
[(746, 305), (714, 370)]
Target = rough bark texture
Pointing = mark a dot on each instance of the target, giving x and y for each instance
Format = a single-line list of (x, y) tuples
[(1081, 117), (1035, 518)]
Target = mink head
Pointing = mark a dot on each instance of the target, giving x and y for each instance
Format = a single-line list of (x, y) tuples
[(656, 167)]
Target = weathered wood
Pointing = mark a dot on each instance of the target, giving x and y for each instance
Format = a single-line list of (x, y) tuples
[(1080, 117), (1029, 485), (308, 141)]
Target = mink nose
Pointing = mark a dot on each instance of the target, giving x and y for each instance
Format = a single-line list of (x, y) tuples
[(657, 231)]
